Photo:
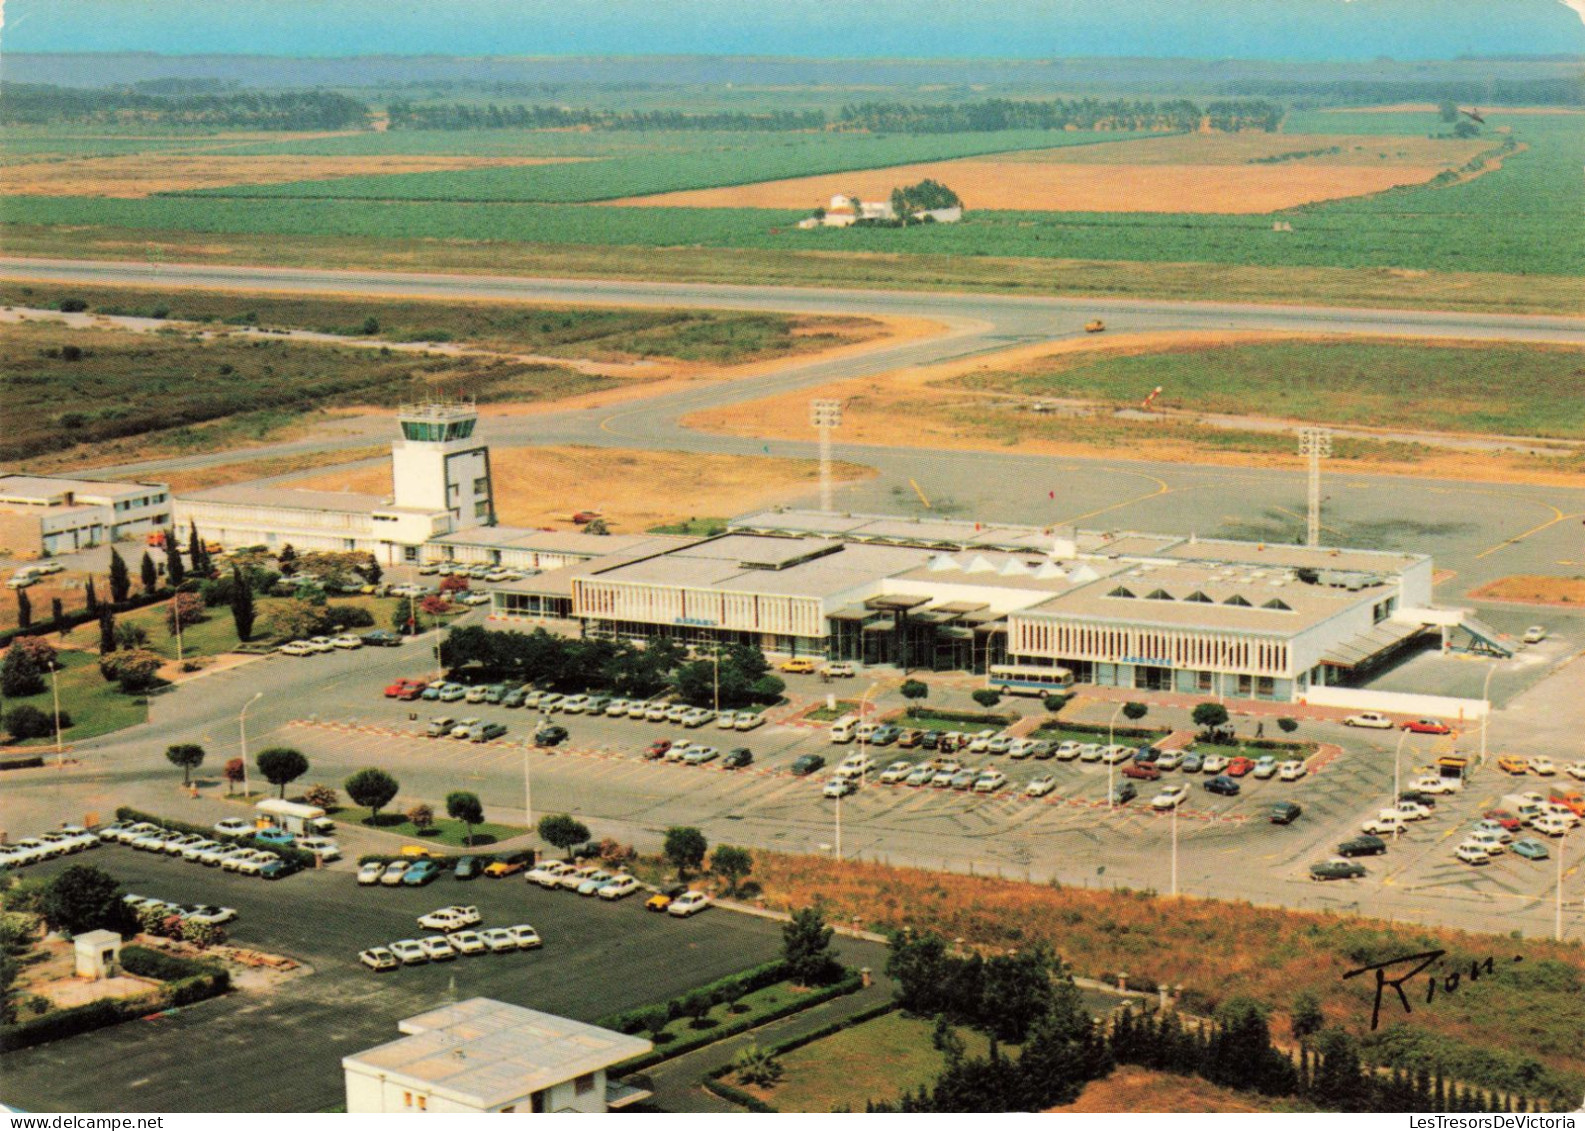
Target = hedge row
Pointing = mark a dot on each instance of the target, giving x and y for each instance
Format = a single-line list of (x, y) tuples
[(290, 855), (446, 863), (47, 625), (162, 967), (100, 1014), (850, 983), (1102, 728), (754, 978), (715, 1080), (962, 716)]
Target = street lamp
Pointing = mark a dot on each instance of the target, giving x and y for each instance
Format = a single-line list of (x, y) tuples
[(1111, 740), (1174, 852), (1397, 785), (242, 725), (1557, 921), (55, 693), (528, 791), (1485, 719)]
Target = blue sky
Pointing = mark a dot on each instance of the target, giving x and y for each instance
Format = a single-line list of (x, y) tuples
[(1283, 29)]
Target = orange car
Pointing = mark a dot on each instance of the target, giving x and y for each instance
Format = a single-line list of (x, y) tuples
[(1574, 801), (1513, 764)]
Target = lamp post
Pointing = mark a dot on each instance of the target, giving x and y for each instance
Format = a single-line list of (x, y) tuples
[(1111, 740), (1485, 719), (55, 694), (242, 726), (1557, 913), (838, 845), (715, 678), (528, 791), (1174, 852), (1397, 785)]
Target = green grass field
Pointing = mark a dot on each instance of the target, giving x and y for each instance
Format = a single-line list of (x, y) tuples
[(95, 705), (444, 831), (1506, 389)]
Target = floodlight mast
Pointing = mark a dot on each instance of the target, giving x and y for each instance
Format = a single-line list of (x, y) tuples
[(1316, 445), (825, 413)]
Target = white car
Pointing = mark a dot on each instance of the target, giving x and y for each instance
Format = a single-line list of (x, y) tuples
[(1490, 841), (689, 903), (1471, 853), (249, 862), (548, 874), (1385, 823), (1543, 767), (677, 712), (1576, 770), (1265, 767), (1550, 824), (1040, 785), (394, 871), (148, 842), (475, 598), (81, 835), (450, 919), (656, 713), (573, 880), (1214, 764), (322, 847), (464, 727), (856, 764), (1432, 783), (1372, 719), (748, 720), (1116, 753), (980, 744), (216, 856), (575, 704), (296, 648), (677, 750), (1169, 760), (468, 942), (527, 938), (1068, 751), (370, 873), (1021, 748), (727, 720), (920, 775), (437, 948), (208, 913), (837, 670), (839, 787), (233, 826), (699, 755), (1496, 829), (347, 642), (379, 958), (193, 852), (498, 939), (1091, 752), (1413, 811), (321, 644), (1291, 770), (619, 887), (896, 772), (990, 781), (1534, 634), (1170, 797)]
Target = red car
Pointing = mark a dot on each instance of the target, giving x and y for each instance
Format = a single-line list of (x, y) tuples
[(657, 749), (1427, 726), (1504, 818), (414, 688), (1238, 767), (394, 690), (1144, 771)]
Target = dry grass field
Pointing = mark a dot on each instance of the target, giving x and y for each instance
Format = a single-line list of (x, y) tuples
[(1131, 1089), (1182, 173), (136, 175), (1530, 589), (248, 470), (633, 490)]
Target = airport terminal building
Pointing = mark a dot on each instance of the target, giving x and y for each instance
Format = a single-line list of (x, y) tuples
[(1158, 612)]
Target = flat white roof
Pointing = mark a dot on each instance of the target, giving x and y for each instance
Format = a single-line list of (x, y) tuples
[(485, 1053), (288, 498), (41, 488)]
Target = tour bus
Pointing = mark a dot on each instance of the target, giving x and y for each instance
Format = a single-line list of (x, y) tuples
[(1015, 679)]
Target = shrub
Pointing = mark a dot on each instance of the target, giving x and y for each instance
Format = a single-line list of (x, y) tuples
[(986, 697), (27, 721)]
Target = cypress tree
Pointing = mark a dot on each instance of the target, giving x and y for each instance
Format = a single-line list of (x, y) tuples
[(58, 614), (91, 597), (24, 609), (151, 577), (173, 559), (243, 611), (107, 630), (1440, 1098), (120, 579)]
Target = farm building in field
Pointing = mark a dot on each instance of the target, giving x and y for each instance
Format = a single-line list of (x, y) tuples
[(844, 211), (441, 483), (42, 515), (1162, 612)]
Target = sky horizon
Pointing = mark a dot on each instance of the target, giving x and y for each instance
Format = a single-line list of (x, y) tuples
[(1300, 30)]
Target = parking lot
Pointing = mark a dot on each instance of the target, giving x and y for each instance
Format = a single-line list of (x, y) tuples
[(278, 1048)]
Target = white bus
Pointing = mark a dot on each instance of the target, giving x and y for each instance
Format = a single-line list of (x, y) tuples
[(1015, 679)]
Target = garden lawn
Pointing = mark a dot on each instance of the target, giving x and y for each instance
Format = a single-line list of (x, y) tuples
[(877, 1060), (1056, 732), (443, 831), (831, 714), (95, 705), (926, 721), (750, 1007)]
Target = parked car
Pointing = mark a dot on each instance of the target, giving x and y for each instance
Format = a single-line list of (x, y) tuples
[(508, 865), (485, 731), (394, 871), (410, 952), (657, 749), (550, 736), (1142, 771), (1530, 849), (1427, 726), (1534, 634), (699, 755), (527, 938), (1470, 852), (231, 827), (1215, 763), (379, 958), (800, 665), (1336, 870), (1040, 785), (323, 847), (1373, 719), (839, 786), (452, 918), (989, 781), (1223, 785), (1239, 766), (421, 873), (1542, 767), (748, 720), (662, 899), (838, 670), (498, 939), (1362, 846), (807, 764), (1285, 812), (1123, 792), (549, 874), (737, 758), (1170, 797), (437, 948), (1292, 770), (1265, 767), (896, 772), (619, 887), (688, 903), (381, 638)]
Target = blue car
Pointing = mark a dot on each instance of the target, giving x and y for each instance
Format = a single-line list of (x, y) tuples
[(279, 869), (1146, 755), (1530, 849), (274, 836), (1222, 784), (421, 873)]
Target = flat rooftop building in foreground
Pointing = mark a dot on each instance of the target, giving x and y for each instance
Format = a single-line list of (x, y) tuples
[(481, 1055)]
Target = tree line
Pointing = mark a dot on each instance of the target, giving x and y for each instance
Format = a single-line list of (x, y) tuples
[(995, 114), (1566, 90), (406, 115), (1028, 998), (38, 103)]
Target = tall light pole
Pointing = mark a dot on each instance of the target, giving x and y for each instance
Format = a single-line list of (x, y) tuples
[(176, 619), (839, 828), (1397, 785), (1557, 914), (1485, 719), (825, 413), (242, 726), (1316, 445), (1111, 740), (1174, 852), (528, 791), (55, 693)]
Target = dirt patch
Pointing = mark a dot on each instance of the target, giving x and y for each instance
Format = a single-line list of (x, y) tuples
[(1131, 1089), (246, 471), (540, 487), (1243, 148), (136, 175), (1531, 589)]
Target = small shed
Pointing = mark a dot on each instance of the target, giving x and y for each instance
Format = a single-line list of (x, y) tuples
[(98, 955)]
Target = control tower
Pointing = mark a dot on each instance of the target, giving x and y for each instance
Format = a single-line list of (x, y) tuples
[(438, 465)]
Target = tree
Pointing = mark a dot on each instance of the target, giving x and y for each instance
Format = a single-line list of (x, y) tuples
[(120, 579), (371, 325), (149, 575), (407, 620), (19, 673), (685, 847), (806, 949), (757, 1066), (189, 756), (655, 1021), (1447, 110), (421, 817), (173, 559), (107, 630), (373, 789), (243, 610), (24, 609), (1055, 701), (324, 796), (1287, 725), (287, 560), (732, 862), (563, 831), (27, 721), (1209, 716), (133, 670), (130, 636), (235, 772), (1466, 129), (987, 697), (84, 898), (58, 614), (196, 554), (914, 689), (184, 610), (292, 620), (467, 808), (1135, 711), (281, 765), (91, 597)]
